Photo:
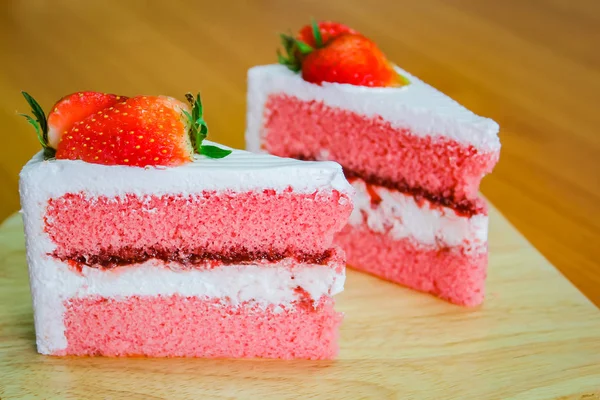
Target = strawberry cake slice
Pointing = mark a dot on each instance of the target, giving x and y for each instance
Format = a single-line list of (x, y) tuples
[(414, 156), (144, 239)]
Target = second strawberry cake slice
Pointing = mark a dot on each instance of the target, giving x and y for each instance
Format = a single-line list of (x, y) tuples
[(415, 156), (138, 246)]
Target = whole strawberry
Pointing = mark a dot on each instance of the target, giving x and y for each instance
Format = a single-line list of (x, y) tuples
[(139, 131), (351, 59), (333, 52)]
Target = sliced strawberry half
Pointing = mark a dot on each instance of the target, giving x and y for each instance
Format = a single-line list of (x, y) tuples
[(140, 131), (74, 108)]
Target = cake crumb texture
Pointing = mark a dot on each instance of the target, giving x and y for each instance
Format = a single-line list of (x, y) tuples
[(451, 273), (178, 326), (210, 221)]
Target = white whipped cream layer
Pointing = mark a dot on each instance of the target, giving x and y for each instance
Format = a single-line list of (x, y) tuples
[(52, 282), (240, 171), (416, 106), (399, 216)]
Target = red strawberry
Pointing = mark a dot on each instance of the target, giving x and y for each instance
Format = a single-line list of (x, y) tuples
[(351, 59), (327, 29), (73, 108), (333, 52), (140, 131)]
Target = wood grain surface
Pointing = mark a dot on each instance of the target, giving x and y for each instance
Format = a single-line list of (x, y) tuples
[(532, 65), (535, 337)]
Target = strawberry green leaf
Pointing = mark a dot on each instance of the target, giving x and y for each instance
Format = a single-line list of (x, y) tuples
[(36, 126), (38, 113), (189, 117), (214, 152), (295, 50), (203, 130), (287, 41), (289, 60), (303, 47), (40, 124), (317, 34), (281, 59), (198, 130), (199, 108)]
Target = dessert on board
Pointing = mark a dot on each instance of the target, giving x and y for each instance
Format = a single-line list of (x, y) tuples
[(414, 156), (143, 238)]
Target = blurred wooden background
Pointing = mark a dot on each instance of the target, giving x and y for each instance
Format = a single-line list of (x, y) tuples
[(532, 65)]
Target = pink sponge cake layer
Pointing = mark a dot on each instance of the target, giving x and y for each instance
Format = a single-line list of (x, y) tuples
[(454, 274), (226, 227), (434, 167), (178, 326)]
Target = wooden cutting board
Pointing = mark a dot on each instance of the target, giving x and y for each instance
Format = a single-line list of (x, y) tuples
[(535, 337)]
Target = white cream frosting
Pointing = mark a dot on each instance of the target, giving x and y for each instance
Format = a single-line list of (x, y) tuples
[(238, 172), (399, 216), (52, 282), (417, 106)]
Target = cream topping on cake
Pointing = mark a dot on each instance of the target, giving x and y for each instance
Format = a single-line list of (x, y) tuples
[(238, 172), (416, 106)]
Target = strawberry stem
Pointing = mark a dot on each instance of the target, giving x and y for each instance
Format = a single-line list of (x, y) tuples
[(199, 130), (40, 124)]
